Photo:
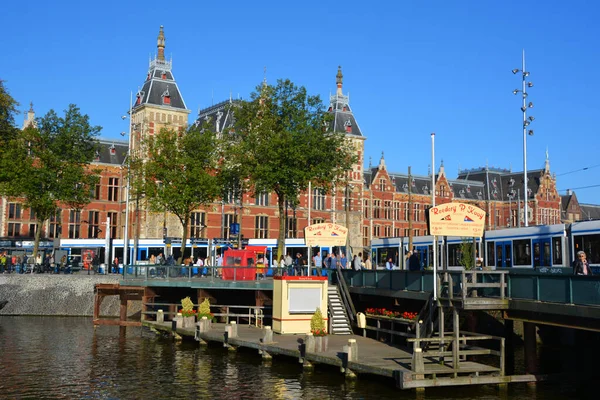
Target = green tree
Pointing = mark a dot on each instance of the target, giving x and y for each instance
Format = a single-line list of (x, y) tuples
[(49, 165), (8, 131), (280, 143), (466, 254), (177, 172)]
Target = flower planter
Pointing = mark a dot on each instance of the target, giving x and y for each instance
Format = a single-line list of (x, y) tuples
[(189, 322), (321, 343)]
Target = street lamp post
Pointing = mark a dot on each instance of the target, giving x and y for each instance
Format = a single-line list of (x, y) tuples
[(526, 122), (127, 189)]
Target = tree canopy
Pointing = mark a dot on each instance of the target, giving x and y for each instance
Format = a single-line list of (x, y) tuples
[(48, 164), (176, 172), (280, 143)]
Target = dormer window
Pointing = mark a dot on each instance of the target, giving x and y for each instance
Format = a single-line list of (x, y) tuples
[(148, 76), (461, 192), (139, 95), (113, 150), (494, 182), (166, 97), (425, 189), (97, 158), (468, 189), (511, 182), (348, 126), (163, 74)]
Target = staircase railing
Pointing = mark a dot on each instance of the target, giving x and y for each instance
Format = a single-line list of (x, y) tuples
[(426, 320), (345, 296)]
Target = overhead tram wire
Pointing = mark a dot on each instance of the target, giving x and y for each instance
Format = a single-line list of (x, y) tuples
[(579, 170), (578, 188)]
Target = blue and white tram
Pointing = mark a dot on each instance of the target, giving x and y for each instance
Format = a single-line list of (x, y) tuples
[(528, 247), (585, 235), (382, 249)]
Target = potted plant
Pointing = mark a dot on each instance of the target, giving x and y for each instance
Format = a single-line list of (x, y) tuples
[(317, 328), (204, 311), (188, 313)]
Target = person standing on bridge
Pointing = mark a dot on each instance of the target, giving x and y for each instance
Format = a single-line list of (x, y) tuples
[(581, 266)]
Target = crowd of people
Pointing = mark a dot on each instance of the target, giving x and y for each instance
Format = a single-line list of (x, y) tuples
[(23, 263)]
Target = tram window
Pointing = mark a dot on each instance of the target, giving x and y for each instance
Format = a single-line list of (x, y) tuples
[(557, 252), (537, 255), (522, 249), (499, 256), (546, 254), (591, 245), (491, 254), (454, 255)]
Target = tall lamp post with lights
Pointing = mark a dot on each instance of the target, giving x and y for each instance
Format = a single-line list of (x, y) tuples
[(127, 189), (526, 122)]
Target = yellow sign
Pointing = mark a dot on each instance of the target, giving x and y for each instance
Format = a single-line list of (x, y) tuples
[(456, 219), (325, 235)]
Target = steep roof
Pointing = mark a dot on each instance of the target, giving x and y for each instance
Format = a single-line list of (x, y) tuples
[(589, 211), (343, 118), (502, 184), (160, 88), (111, 152), (218, 116)]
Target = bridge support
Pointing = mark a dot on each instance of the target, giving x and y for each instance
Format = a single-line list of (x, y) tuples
[(529, 330)]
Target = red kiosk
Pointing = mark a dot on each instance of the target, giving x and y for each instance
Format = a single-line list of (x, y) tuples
[(241, 263)]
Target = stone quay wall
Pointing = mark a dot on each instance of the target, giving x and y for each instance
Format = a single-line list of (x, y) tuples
[(57, 295)]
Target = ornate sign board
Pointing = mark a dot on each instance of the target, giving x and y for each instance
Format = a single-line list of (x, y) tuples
[(326, 234), (456, 219)]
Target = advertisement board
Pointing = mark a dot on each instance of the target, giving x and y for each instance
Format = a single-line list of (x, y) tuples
[(456, 219)]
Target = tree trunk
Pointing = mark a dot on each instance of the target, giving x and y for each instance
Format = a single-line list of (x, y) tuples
[(282, 218), (183, 239), (38, 235)]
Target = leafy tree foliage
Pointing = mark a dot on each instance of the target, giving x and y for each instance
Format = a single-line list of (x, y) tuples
[(48, 165), (280, 143), (177, 172), (8, 131)]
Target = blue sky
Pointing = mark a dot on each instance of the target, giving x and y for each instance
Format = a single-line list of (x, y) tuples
[(411, 68)]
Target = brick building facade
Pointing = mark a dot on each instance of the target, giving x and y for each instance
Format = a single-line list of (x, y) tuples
[(376, 203)]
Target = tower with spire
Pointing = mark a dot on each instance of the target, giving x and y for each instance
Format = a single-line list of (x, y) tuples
[(159, 102)]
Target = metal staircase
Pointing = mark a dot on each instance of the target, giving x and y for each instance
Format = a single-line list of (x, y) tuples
[(340, 323)]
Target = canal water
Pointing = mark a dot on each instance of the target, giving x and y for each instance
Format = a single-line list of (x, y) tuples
[(67, 358)]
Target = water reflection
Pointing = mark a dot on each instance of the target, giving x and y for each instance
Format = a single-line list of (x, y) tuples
[(53, 357)]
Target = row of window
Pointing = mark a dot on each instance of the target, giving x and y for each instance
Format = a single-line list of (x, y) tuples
[(393, 210), (94, 226)]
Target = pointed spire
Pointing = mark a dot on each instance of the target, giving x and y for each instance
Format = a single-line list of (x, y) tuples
[(547, 164), (381, 162), (160, 43), (442, 171), (370, 162), (338, 80)]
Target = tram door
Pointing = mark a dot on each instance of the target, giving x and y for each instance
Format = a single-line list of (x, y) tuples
[(423, 255), (503, 255), (542, 253)]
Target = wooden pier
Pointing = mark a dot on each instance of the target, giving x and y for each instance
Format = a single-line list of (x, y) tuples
[(369, 356)]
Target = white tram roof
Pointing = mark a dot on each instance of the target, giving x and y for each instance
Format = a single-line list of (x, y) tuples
[(524, 232), (586, 227)]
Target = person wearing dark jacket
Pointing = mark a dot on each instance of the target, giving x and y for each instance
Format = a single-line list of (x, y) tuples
[(413, 262), (581, 266)]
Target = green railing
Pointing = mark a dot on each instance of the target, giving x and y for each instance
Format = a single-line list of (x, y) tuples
[(554, 285)]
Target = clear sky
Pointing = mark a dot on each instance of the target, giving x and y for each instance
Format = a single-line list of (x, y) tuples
[(411, 68)]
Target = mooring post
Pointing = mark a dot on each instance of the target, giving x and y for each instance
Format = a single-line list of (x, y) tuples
[(417, 360), (309, 343), (160, 316), (179, 319), (267, 334), (353, 347), (234, 329)]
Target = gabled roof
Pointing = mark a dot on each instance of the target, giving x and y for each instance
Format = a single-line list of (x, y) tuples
[(218, 116), (160, 88), (111, 152), (504, 185), (339, 105), (589, 211)]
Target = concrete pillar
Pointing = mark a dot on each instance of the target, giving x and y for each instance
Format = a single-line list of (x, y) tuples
[(509, 356), (529, 330), (160, 316)]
